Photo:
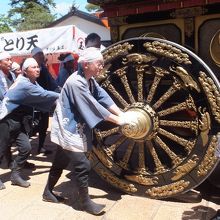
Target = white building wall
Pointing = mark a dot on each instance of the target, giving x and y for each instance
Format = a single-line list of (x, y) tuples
[(87, 27)]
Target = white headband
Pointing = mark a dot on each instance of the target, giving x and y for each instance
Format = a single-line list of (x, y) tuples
[(15, 66), (28, 62), (90, 54), (4, 55), (36, 50), (68, 58)]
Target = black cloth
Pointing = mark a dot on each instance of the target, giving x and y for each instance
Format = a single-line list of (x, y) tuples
[(77, 160), (43, 125), (46, 81), (12, 128)]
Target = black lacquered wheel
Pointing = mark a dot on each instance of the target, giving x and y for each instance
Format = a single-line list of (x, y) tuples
[(175, 98)]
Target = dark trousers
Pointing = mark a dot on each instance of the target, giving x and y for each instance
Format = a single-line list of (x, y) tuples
[(78, 160), (43, 125), (13, 130)]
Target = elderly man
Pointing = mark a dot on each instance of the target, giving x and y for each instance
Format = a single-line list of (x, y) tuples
[(46, 81), (15, 111), (6, 80), (6, 77), (81, 106)]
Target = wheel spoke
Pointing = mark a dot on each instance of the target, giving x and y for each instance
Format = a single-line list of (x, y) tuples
[(175, 87), (102, 134), (188, 104), (140, 76), (141, 160), (122, 74), (188, 145), (159, 166), (107, 84), (124, 162), (159, 73), (112, 148), (175, 159), (192, 125)]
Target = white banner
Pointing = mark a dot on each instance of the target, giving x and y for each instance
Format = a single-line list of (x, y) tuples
[(50, 40)]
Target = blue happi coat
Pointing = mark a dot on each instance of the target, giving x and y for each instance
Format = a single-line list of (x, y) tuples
[(81, 106), (5, 83), (24, 92), (62, 77)]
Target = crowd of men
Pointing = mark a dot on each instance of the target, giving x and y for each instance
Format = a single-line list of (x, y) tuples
[(27, 89)]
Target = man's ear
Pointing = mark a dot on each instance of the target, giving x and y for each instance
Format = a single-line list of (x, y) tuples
[(85, 65)]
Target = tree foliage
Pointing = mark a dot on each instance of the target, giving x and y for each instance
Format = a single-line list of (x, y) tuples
[(5, 23), (91, 7), (27, 15)]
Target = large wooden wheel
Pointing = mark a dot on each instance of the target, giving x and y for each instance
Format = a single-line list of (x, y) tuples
[(176, 101)]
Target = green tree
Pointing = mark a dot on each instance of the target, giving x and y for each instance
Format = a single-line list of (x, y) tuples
[(28, 15), (5, 23), (91, 7)]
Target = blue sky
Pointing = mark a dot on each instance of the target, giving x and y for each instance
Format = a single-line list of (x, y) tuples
[(61, 9)]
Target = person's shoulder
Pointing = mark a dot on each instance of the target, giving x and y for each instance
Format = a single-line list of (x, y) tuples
[(76, 78)]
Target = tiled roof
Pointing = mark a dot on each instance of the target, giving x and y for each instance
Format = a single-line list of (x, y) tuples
[(78, 13)]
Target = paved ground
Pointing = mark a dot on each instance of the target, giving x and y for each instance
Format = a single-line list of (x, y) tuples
[(26, 203)]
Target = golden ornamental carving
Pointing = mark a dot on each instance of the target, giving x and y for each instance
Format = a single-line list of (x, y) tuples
[(173, 88), (188, 104), (159, 166), (122, 74), (168, 51), (107, 84), (175, 159), (192, 125), (138, 58), (187, 144), (142, 179), (118, 50), (168, 190), (102, 134), (159, 73), (210, 158), (115, 181), (124, 162), (185, 168), (103, 157), (109, 150), (140, 76), (185, 77), (204, 125), (212, 94), (141, 170)]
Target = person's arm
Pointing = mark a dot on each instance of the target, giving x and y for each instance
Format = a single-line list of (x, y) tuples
[(115, 110), (115, 119)]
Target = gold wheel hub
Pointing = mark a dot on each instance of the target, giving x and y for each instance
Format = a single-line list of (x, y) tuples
[(141, 125)]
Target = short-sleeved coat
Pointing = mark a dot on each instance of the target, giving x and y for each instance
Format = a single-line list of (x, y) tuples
[(81, 106)]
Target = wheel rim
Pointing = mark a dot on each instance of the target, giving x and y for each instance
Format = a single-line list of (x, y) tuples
[(174, 97)]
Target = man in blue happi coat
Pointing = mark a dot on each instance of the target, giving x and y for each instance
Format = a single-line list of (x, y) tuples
[(15, 111), (81, 106)]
